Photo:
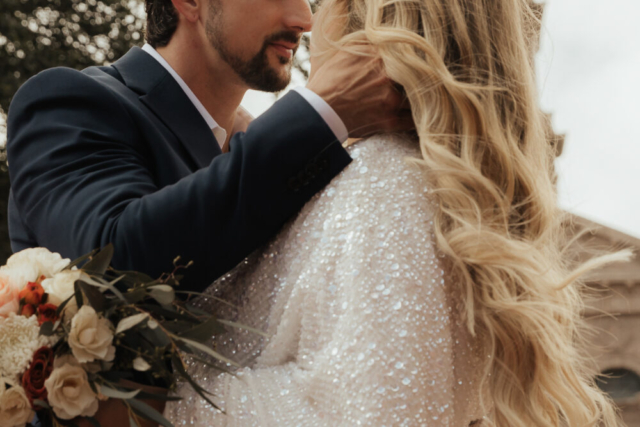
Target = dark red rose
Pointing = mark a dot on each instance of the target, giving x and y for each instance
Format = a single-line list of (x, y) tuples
[(47, 313), (32, 293), (38, 372), (28, 310)]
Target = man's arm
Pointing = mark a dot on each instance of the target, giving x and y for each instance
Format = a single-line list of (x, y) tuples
[(81, 178)]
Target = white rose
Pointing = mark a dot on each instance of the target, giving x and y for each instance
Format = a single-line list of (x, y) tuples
[(31, 264), (60, 287), (69, 392), (15, 409), (91, 336)]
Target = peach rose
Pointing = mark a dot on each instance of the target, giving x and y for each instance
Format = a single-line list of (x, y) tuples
[(15, 409), (68, 390), (91, 336), (9, 300)]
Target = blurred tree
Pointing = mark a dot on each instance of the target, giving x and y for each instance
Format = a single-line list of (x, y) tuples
[(40, 34)]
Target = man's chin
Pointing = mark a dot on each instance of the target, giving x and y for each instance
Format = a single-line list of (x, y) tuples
[(280, 77), (267, 75)]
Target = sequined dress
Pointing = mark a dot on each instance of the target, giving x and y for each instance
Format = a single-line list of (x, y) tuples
[(362, 321)]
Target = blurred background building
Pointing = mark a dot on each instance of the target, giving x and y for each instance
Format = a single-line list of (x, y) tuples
[(587, 62)]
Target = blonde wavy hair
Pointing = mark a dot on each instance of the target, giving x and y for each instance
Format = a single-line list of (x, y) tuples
[(466, 67)]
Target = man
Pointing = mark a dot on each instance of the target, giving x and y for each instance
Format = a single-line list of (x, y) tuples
[(139, 153)]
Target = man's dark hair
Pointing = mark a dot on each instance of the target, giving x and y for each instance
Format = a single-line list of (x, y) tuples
[(162, 21)]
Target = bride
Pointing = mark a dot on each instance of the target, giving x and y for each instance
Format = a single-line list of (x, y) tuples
[(426, 285)]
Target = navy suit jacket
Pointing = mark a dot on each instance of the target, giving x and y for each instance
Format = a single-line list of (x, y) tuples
[(120, 155)]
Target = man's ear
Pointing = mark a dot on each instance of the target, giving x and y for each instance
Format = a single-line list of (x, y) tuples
[(189, 9)]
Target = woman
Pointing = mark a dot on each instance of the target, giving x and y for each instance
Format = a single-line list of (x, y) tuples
[(427, 284)]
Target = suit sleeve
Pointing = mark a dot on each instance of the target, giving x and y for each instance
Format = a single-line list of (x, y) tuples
[(82, 178)]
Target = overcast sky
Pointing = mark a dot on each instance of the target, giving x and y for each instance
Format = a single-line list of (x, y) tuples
[(588, 70), (589, 75)]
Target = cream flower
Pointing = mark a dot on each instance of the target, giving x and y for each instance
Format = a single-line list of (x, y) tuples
[(9, 300), (30, 265), (91, 336), (19, 339), (60, 287), (15, 409), (69, 392), (47, 262)]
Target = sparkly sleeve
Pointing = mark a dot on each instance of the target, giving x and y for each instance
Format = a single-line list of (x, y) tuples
[(354, 298), (389, 359)]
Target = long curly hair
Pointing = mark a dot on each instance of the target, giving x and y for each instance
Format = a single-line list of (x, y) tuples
[(466, 68)]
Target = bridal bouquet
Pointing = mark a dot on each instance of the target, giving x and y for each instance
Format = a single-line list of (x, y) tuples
[(73, 334)]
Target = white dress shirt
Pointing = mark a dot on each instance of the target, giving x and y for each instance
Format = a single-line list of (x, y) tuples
[(326, 112)]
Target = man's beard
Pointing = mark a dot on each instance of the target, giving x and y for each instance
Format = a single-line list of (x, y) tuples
[(255, 72)]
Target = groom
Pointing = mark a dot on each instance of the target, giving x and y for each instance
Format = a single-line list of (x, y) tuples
[(140, 153)]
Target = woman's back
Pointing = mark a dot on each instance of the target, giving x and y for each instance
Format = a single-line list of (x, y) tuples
[(363, 323)]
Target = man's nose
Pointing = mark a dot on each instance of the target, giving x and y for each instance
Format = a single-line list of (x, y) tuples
[(297, 15)]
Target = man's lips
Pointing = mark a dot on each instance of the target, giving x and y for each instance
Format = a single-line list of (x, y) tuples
[(285, 49)]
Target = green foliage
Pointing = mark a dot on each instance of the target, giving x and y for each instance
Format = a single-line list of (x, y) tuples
[(40, 34)]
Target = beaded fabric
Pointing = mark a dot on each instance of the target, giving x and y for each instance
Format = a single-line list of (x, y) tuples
[(361, 319)]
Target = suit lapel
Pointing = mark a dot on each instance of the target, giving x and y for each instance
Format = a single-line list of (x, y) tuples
[(159, 91)]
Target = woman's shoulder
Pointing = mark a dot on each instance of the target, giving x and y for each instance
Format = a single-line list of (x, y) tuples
[(384, 178), (383, 164), (383, 148)]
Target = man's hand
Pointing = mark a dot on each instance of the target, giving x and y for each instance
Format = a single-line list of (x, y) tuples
[(356, 87)]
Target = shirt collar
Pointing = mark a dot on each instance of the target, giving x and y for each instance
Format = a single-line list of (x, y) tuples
[(218, 132)]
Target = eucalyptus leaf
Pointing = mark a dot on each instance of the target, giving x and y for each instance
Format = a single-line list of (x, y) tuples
[(131, 321), (144, 395), (77, 261), (241, 326), (41, 403), (100, 261), (201, 347), (177, 364), (94, 296), (135, 295), (156, 336), (115, 376), (46, 329), (164, 294), (134, 277), (197, 311), (204, 331), (165, 288), (132, 422), (161, 312), (115, 290), (177, 326), (141, 365), (148, 412), (78, 294), (63, 304), (118, 394), (211, 365)]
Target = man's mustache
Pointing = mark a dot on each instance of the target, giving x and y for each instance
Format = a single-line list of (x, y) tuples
[(284, 36)]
